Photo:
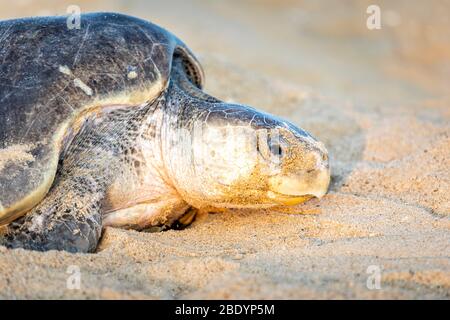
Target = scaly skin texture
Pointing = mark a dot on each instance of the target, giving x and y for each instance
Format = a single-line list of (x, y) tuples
[(70, 217)]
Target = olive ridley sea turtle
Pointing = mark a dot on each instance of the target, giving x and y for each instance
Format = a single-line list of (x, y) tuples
[(107, 125)]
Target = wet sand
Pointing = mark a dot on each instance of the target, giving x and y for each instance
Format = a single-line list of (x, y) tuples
[(380, 102)]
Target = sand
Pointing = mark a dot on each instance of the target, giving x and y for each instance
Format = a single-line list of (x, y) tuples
[(380, 102)]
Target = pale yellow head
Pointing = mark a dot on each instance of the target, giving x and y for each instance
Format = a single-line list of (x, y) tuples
[(233, 156)]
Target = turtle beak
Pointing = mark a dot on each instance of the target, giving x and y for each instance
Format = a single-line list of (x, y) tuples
[(296, 189)]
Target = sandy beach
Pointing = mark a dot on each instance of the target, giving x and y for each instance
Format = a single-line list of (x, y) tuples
[(378, 99)]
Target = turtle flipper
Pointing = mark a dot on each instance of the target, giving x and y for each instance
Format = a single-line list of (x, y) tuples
[(67, 219)]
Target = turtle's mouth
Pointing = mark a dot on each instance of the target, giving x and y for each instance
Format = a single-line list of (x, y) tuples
[(287, 199), (296, 189)]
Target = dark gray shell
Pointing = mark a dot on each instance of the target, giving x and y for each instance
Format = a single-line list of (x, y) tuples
[(49, 74)]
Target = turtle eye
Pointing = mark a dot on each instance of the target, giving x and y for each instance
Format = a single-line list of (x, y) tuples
[(276, 145), (271, 146), (276, 149)]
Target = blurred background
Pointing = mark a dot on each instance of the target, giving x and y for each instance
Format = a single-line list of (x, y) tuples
[(325, 45)]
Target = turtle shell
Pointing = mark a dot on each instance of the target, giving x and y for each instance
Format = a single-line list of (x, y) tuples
[(50, 74)]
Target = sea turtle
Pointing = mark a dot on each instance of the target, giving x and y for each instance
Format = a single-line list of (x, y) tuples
[(107, 125)]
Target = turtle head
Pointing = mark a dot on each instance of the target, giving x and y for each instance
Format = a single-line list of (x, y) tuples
[(297, 164), (238, 157)]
